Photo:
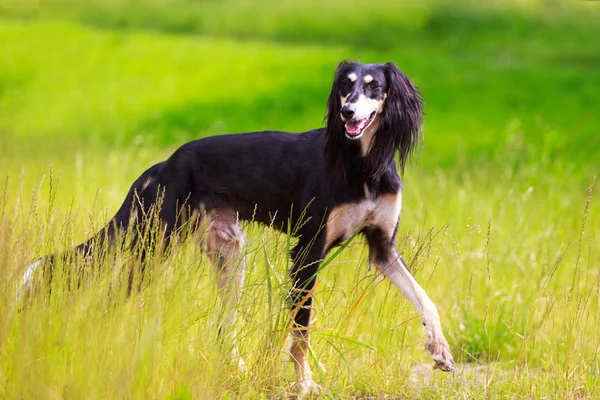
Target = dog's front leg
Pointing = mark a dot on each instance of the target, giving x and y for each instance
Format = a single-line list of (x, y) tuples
[(398, 273), (303, 275), (387, 260)]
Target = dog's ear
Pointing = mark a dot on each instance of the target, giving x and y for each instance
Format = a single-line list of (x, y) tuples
[(333, 102), (335, 139), (401, 121)]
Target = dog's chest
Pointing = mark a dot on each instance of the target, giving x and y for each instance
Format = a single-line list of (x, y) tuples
[(382, 211)]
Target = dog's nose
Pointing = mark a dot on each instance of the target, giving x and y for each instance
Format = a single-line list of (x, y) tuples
[(348, 111)]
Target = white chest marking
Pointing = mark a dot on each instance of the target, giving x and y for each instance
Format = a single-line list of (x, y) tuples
[(347, 219)]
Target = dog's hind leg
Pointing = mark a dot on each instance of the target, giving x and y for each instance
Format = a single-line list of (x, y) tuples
[(225, 246)]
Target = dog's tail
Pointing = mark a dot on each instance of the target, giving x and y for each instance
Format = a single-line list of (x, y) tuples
[(119, 223)]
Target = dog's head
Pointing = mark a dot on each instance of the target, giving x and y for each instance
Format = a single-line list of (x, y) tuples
[(377, 105)]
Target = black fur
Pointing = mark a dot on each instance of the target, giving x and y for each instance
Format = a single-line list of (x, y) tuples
[(279, 178)]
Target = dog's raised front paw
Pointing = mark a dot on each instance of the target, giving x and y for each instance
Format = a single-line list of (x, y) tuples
[(440, 350)]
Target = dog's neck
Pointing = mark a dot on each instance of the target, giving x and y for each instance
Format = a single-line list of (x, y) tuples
[(353, 161), (356, 164)]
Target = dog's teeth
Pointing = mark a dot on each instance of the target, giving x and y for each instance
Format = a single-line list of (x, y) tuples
[(354, 127)]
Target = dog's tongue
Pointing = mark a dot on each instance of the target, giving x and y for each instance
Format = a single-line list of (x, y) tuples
[(354, 127)]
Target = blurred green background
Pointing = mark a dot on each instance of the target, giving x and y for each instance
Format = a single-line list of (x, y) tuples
[(92, 92), (500, 77)]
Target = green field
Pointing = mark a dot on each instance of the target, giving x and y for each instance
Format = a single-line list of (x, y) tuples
[(500, 223)]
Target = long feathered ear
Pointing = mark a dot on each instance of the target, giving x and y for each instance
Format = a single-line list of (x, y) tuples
[(335, 140), (401, 121)]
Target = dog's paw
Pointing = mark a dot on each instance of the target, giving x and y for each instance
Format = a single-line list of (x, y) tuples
[(306, 388), (440, 351), (242, 365), (236, 358)]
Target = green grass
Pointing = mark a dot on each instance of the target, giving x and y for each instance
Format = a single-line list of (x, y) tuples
[(498, 223)]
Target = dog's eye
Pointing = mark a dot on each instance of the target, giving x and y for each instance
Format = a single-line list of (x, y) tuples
[(346, 84), (374, 85)]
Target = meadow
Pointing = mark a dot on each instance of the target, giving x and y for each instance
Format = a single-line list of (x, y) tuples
[(500, 223)]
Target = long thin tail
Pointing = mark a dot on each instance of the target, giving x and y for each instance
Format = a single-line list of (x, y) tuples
[(120, 222)]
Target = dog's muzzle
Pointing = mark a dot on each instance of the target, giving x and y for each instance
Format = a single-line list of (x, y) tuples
[(355, 127)]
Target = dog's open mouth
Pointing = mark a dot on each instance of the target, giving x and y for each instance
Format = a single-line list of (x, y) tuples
[(355, 128)]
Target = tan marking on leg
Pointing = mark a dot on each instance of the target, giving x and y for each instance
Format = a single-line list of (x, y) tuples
[(387, 212), (225, 245), (299, 353), (343, 221)]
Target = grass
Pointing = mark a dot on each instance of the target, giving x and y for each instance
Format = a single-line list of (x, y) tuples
[(500, 221)]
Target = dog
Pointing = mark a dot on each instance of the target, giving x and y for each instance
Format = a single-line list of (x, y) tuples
[(324, 186)]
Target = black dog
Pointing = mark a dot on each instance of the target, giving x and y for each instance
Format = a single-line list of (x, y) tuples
[(327, 183)]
